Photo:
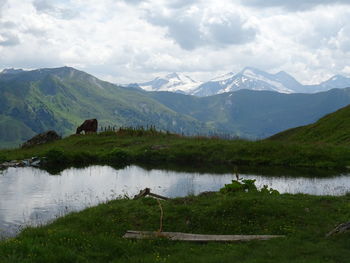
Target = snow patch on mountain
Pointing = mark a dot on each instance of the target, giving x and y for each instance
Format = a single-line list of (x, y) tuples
[(174, 82), (249, 78)]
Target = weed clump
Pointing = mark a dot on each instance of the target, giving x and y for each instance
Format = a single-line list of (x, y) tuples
[(246, 185)]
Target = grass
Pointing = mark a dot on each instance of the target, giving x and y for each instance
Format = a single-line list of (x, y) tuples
[(332, 129), (95, 234), (152, 147)]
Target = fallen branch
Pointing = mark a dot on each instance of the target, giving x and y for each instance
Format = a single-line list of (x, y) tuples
[(130, 234), (339, 229), (147, 191)]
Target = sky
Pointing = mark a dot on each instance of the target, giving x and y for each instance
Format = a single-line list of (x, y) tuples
[(128, 41)]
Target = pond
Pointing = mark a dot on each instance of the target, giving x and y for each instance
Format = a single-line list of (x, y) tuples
[(30, 196)]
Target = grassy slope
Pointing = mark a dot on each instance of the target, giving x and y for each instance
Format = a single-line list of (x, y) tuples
[(62, 98), (155, 148), (256, 114), (333, 129), (94, 235)]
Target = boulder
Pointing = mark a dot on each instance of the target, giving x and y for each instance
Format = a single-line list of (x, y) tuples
[(42, 138)]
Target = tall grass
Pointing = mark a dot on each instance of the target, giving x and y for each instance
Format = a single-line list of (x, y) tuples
[(95, 234), (149, 146)]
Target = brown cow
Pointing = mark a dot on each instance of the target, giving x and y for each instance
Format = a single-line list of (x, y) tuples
[(88, 126)]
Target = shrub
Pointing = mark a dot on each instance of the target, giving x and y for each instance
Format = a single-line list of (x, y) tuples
[(247, 185), (2, 158), (118, 156), (56, 157), (84, 158)]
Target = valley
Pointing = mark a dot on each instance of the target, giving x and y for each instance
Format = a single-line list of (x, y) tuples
[(61, 98)]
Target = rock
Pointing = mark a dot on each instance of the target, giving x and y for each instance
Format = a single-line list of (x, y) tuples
[(42, 138), (159, 147), (34, 162), (26, 162), (13, 163)]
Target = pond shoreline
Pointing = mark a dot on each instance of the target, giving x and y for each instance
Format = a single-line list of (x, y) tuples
[(44, 196), (95, 234), (147, 148)]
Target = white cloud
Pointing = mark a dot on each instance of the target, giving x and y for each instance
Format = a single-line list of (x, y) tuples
[(8, 39), (293, 5), (203, 25), (135, 40)]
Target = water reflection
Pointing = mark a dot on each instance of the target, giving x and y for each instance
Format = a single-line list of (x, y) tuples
[(29, 196)]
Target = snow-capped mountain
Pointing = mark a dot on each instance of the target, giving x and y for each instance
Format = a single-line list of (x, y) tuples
[(11, 71), (249, 78), (174, 82), (337, 81)]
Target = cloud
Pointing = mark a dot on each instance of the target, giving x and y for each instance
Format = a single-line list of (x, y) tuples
[(292, 5), (229, 30), (135, 40), (183, 29), (135, 2), (8, 39), (51, 8), (194, 27), (180, 3), (2, 3)]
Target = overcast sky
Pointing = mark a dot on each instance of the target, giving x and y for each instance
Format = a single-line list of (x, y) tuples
[(135, 40)]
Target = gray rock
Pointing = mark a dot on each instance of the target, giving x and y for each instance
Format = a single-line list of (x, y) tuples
[(42, 138)]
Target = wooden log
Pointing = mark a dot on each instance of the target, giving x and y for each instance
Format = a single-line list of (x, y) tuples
[(130, 234), (158, 196), (142, 193), (147, 191), (339, 229)]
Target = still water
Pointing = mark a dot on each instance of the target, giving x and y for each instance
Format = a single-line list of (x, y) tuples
[(30, 196)]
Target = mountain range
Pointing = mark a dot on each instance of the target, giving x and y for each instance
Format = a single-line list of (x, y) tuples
[(61, 98), (249, 78)]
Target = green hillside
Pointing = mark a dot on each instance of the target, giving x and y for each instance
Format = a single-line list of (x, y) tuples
[(35, 101), (61, 98), (256, 114), (334, 128)]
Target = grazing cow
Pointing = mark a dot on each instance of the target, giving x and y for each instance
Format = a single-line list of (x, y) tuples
[(88, 126)]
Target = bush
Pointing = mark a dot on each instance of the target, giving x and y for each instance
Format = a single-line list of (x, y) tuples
[(117, 156), (56, 157), (2, 158), (247, 185), (84, 158)]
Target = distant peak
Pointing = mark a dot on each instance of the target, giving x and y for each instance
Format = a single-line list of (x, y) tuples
[(223, 76), (11, 71), (337, 77), (172, 75), (250, 69), (282, 73)]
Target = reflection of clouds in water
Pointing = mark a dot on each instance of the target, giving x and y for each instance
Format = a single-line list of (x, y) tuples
[(339, 185), (32, 196)]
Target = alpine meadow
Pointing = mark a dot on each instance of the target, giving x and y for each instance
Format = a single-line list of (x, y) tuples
[(174, 131)]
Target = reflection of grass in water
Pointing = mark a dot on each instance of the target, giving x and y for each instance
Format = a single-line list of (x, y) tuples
[(109, 148)]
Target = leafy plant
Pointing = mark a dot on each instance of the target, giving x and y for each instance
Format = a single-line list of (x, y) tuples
[(246, 185), (267, 190)]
